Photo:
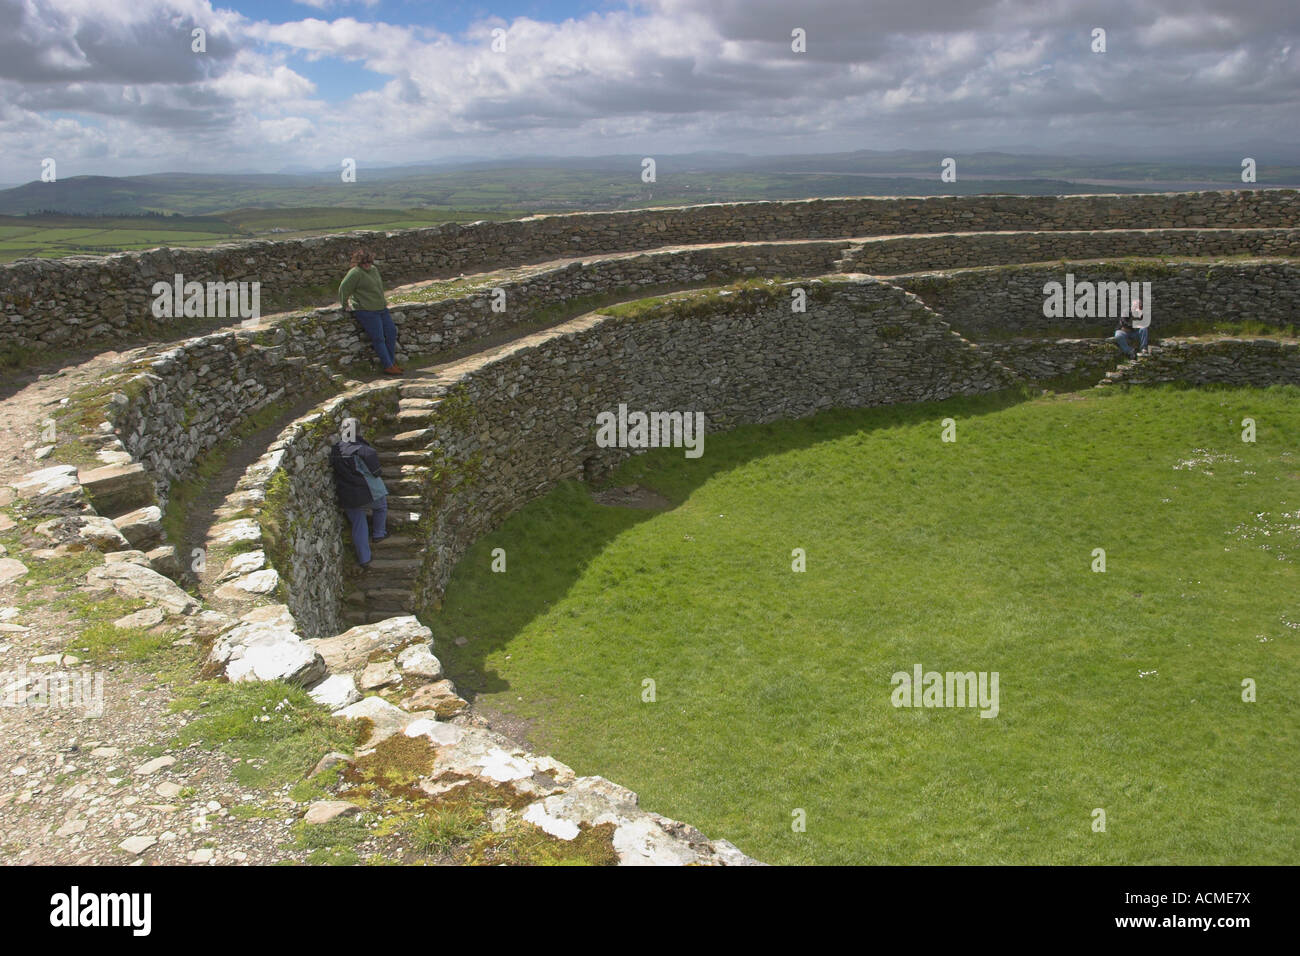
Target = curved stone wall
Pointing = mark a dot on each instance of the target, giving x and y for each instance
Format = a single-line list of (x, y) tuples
[(893, 255), (193, 395), (512, 425), (1007, 301), (57, 302)]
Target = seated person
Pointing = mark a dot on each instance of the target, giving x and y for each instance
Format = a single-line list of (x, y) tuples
[(1131, 340)]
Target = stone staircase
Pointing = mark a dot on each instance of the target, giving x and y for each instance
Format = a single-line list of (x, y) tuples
[(387, 588), (1122, 371)]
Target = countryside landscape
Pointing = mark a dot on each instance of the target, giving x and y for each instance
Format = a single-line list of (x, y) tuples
[(480, 438)]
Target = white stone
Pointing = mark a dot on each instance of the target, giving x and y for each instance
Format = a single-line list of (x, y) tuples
[(386, 719), (137, 844), (153, 766), (336, 691), (11, 570), (134, 581), (276, 655), (535, 813), (418, 660), (378, 674)]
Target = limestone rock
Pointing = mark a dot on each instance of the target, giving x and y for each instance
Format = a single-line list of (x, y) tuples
[(234, 532), (114, 489), (163, 559), (386, 719), (76, 533), (142, 527), (53, 490), (153, 766), (336, 691), (259, 582), (143, 619), (243, 563), (418, 661), (277, 614), (323, 811), (134, 581), (439, 697), (275, 654), (137, 844), (351, 650), (130, 557), (379, 674), (11, 570), (209, 623)]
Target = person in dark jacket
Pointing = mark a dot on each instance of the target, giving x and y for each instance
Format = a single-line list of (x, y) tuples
[(351, 460)]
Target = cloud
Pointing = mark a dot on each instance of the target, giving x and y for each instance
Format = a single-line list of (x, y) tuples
[(660, 76)]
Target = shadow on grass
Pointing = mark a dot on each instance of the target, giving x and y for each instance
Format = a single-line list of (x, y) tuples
[(572, 530)]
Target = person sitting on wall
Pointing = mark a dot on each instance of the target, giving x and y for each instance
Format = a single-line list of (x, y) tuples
[(364, 287), (1130, 340), (359, 482)]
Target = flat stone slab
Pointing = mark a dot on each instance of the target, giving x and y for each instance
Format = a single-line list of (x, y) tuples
[(351, 650), (323, 811), (142, 527), (115, 489), (336, 691), (11, 570), (134, 581), (275, 654)]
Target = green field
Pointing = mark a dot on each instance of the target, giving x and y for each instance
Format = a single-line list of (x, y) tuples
[(1119, 690)]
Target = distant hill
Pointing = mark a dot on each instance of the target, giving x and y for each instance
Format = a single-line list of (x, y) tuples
[(608, 182)]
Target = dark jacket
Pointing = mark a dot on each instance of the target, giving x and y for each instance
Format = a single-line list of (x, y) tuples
[(351, 484)]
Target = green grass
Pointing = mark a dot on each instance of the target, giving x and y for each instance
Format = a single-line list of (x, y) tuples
[(773, 687), (277, 731)]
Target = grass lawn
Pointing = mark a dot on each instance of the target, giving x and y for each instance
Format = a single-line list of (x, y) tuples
[(1119, 690)]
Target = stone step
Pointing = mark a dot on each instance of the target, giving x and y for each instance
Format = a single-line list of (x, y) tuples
[(404, 458), (423, 390), (413, 439), (404, 503), (412, 416), (393, 565), (398, 543), (381, 599), (428, 404), (404, 487), (354, 616)]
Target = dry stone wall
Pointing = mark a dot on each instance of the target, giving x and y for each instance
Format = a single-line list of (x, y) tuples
[(1007, 301), (901, 254), (52, 303), (511, 426), (1256, 362), (198, 393)]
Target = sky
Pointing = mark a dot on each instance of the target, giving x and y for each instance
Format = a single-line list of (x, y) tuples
[(114, 87)]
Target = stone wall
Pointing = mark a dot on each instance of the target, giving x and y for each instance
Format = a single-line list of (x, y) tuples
[(1256, 362), (1001, 302), (1046, 360), (902, 254), (191, 396), (300, 527), (513, 425), (49, 303)]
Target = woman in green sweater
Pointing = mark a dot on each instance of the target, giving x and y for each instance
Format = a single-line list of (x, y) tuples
[(363, 286)]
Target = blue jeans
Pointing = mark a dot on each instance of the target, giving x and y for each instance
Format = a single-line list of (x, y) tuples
[(383, 334), (361, 533), (1124, 339)]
